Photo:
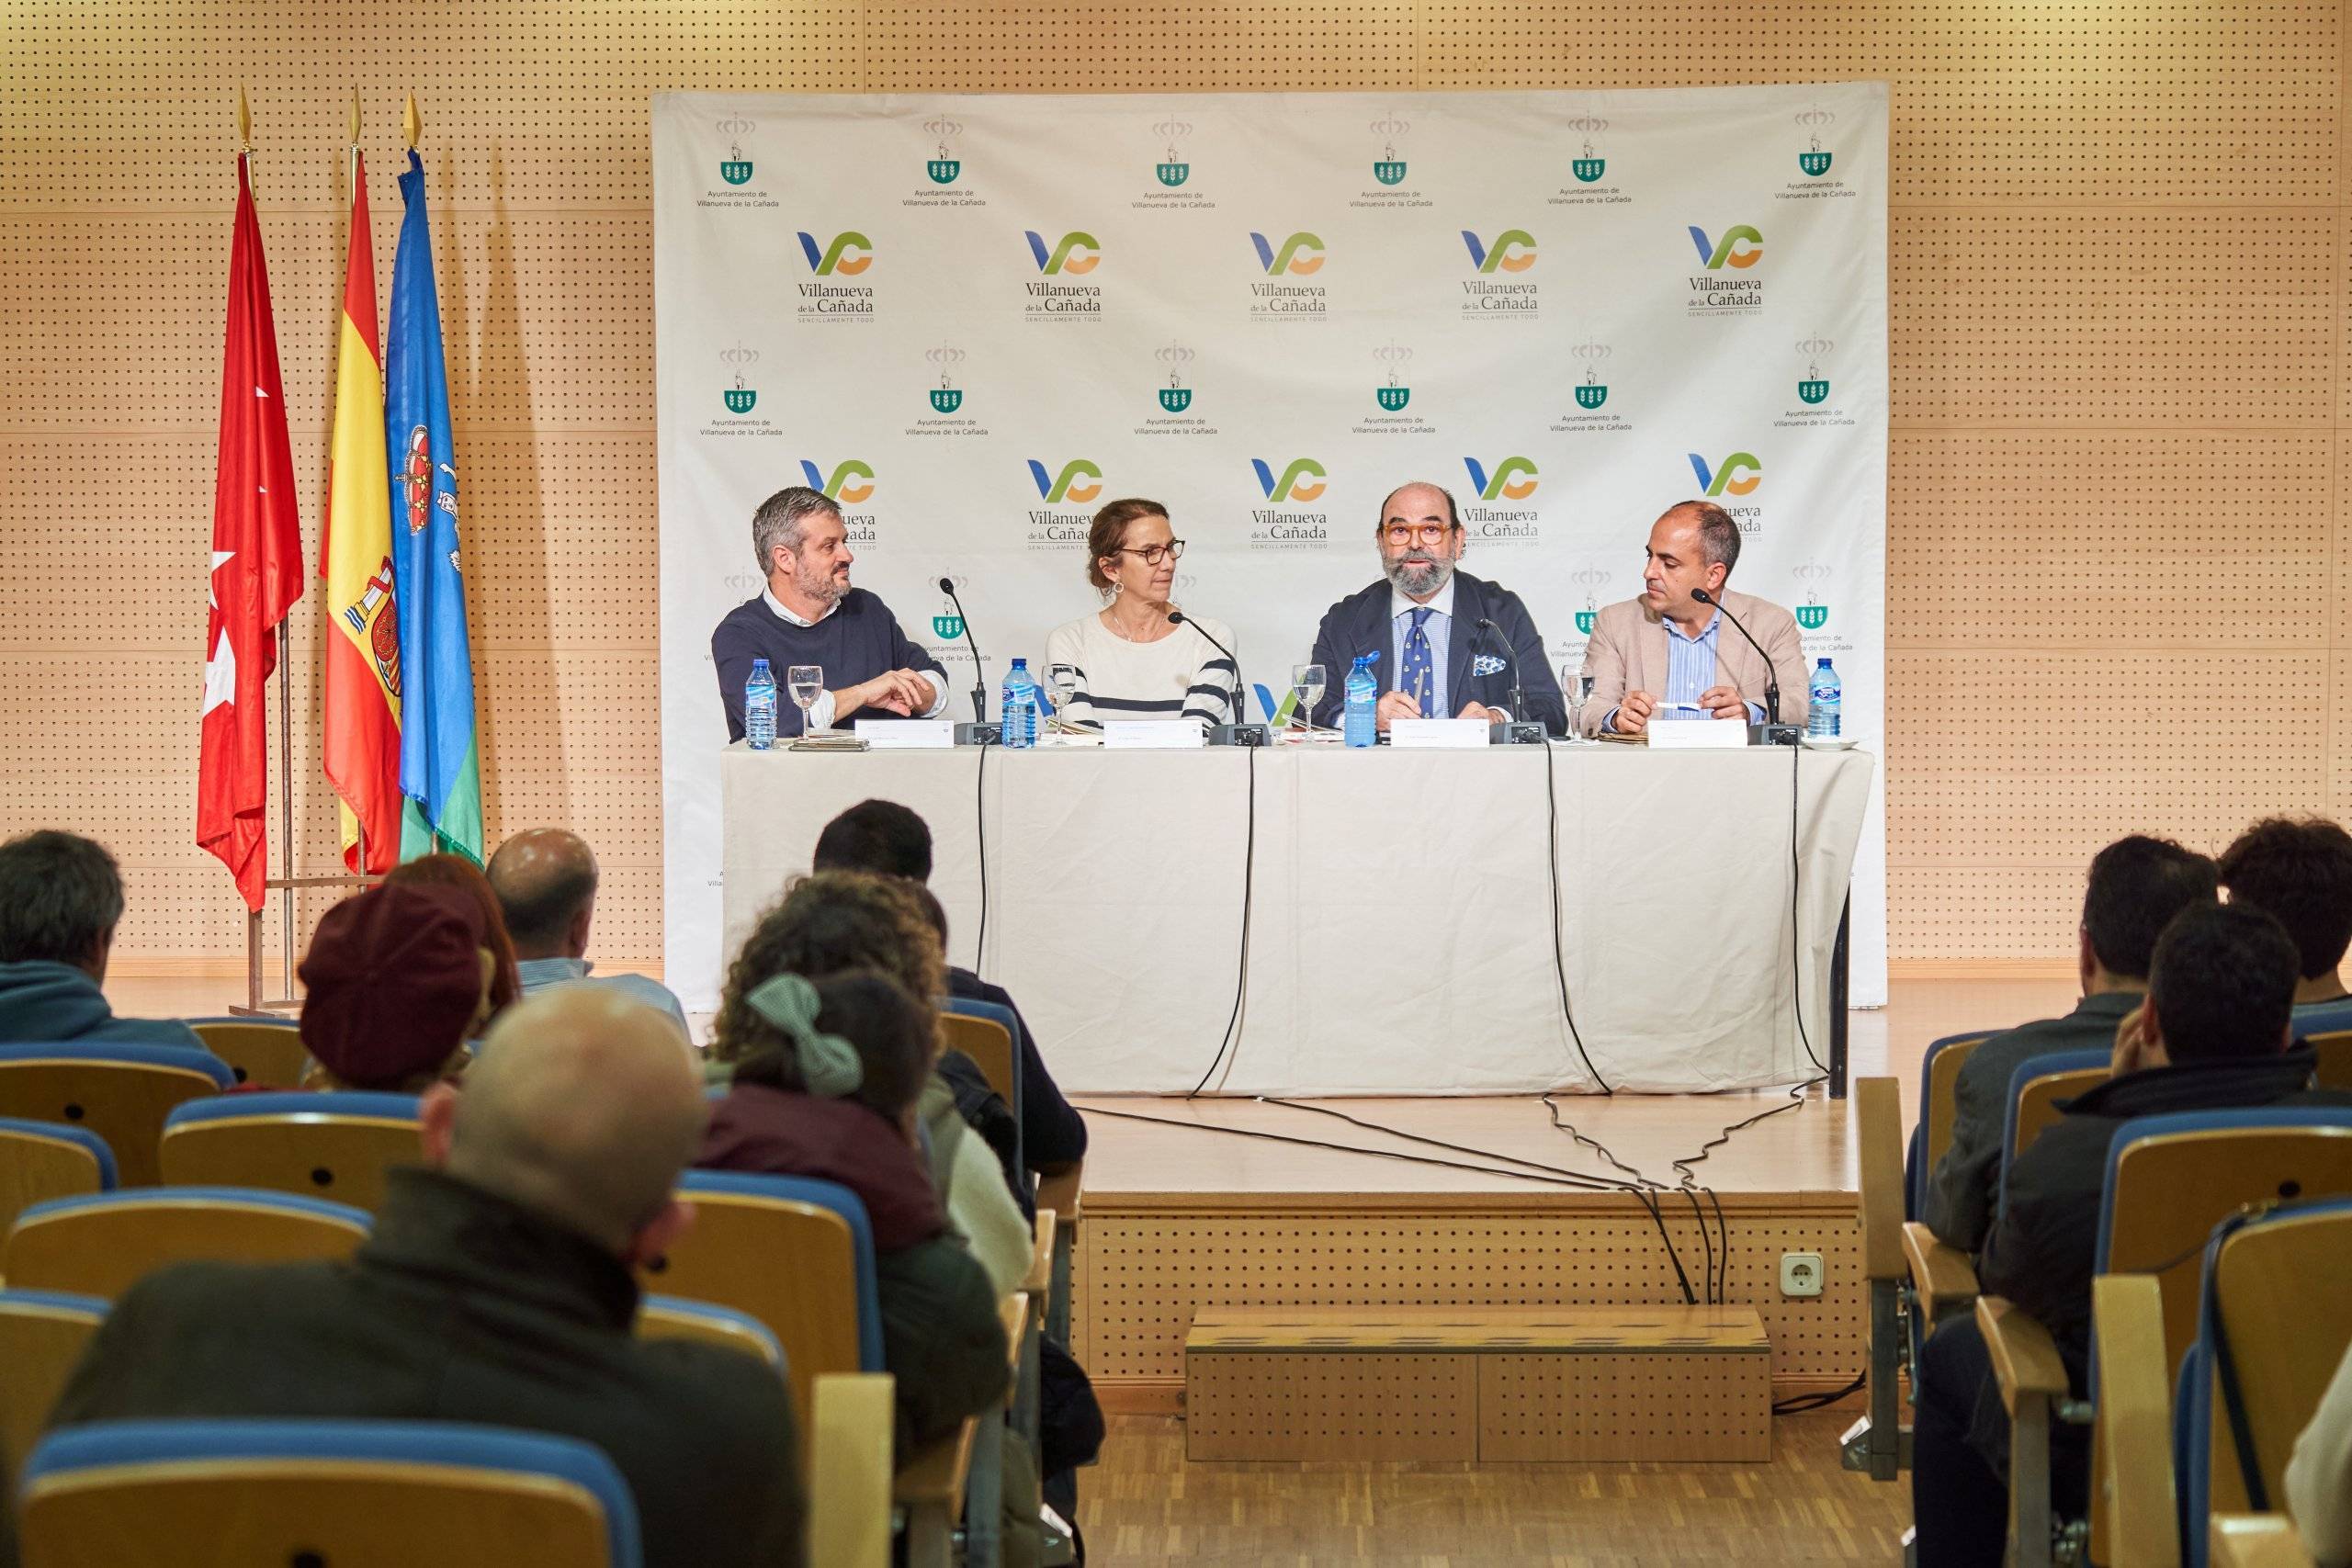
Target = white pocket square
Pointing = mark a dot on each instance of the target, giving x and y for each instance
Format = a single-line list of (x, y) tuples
[(1486, 664)]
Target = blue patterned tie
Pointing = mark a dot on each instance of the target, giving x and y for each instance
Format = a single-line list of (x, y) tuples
[(1417, 673)]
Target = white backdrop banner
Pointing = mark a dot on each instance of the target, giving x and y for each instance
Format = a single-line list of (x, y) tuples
[(974, 320)]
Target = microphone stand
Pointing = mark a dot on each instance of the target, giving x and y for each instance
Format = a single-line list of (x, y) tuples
[(1771, 732), (1518, 729), (1240, 732), (979, 732)]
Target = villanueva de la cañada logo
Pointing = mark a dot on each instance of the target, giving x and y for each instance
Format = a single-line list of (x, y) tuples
[(1588, 388), (1064, 490), (741, 397), (1173, 169), (1175, 396), (1076, 254), (945, 397), (1592, 579), (1171, 187), (1389, 168), (1279, 295), (1813, 161), (736, 168), (1588, 163), (1512, 479), (1512, 252), (944, 165), (945, 400), (1733, 482), (1813, 387), (1286, 522), (848, 253), (1727, 285), (1592, 391), (851, 483), (1393, 394), (943, 168), (947, 625), (1812, 615)]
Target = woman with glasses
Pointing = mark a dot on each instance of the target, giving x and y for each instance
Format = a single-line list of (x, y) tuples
[(1130, 660)]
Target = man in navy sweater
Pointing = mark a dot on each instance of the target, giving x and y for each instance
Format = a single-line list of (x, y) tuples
[(809, 614)]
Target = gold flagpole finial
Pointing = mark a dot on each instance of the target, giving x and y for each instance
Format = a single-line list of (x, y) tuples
[(411, 122), (245, 122), (355, 117)]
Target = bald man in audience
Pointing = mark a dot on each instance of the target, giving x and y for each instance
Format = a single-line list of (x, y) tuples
[(545, 882), (499, 1287)]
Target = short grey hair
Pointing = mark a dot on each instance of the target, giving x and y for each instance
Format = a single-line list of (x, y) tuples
[(1718, 534), (60, 894), (780, 518)]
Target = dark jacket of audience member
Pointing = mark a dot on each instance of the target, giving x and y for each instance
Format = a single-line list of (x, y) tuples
[(1053, 1135), (941, 1340), (2136, 886), (463, 1307)]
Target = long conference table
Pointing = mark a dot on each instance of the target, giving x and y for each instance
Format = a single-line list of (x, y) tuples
[(1399, 911)]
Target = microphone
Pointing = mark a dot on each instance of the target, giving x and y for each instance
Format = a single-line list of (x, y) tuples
[(1516, 730), (979, 682), (1771, 676), (1240, 732)]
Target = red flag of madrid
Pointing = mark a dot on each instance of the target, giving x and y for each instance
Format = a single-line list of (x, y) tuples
[(256, 570)]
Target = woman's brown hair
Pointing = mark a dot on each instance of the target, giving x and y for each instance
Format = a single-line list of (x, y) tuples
[(826, 923), (1110, 531), (457, 871)]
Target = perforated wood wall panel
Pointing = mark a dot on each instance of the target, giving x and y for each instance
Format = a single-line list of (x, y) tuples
[(2121, 269), (1144, 1270)]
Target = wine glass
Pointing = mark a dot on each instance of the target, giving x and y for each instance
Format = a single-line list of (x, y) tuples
[(1061, 679), (807, 684), (1307, 679), (1577, 689)]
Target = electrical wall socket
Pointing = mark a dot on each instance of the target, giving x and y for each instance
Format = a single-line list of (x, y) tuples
[(1799, 1274)]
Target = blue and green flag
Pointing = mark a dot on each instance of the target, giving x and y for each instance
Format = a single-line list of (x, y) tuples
[(440, 764)]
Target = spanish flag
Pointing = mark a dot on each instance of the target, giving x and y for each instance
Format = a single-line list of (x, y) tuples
[(362, 742)]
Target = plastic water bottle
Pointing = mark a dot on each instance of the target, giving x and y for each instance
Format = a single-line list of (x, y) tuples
[(759, 706), (1361, 725), (1822, 703), (1019, 706)]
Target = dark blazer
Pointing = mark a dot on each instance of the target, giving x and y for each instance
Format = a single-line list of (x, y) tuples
[(1361, 624), (2042, 1253), (465, 1307)]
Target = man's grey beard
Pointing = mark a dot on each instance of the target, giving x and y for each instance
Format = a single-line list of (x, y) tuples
[(824, 588), (1416, 576)]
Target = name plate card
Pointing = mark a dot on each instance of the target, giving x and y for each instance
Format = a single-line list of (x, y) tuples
[(1439, 733), (1696, 734), (1153, 735), (908, 734)]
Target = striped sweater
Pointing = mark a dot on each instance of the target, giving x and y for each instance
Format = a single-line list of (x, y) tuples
[(1181, 676)]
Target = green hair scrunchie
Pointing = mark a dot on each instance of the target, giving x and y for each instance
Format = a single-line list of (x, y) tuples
[(829, 1064)]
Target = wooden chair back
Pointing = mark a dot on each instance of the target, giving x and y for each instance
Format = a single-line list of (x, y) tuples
[(2283, 1291), (270, 1055), (989, 1044), (2168, 1192), (338, 1146), (122, 1100), (1940, 1103), (707, 1323), (287, 1492), (41, 1335), (41, 1160), (1877, 1123), (2038, 1101), (101, 1246), (2334, 1052), (791, 1265)]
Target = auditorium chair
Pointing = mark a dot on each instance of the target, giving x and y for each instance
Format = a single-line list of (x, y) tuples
[(40, 1160), (120, 1092), (41, 1335), (2035, 1090), (267, 1052), (2170, 1180), (1939, 1071), (1879, 1444), (102, 1244), (337, 1146), (798, 1255), (2334, 1052), (983, 1031), (323, 1492), (2278, 1293)]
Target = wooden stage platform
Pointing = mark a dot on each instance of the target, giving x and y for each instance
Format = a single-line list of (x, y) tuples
[(1200, 1204)]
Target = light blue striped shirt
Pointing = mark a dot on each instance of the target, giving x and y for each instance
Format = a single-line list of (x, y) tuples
[(1689, 674), (1438, 629)]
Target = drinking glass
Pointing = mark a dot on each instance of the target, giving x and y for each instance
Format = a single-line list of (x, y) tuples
[(1577, 690), (807, 684), (1307, 679), (1061, 679)]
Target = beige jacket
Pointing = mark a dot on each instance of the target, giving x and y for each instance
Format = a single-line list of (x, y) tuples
[(1628, 653)]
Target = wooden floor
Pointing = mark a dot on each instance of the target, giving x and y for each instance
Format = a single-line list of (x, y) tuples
[(1145, 1507)]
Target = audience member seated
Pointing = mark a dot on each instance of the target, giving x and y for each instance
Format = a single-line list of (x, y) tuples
[(2137, 886), (839, 921), (457, 872), (2301, 874), (2212, 1035), (827, 1074), (886, 839), (397, 980), (546, 883), (498, 1288), (2319, 1476), (61, 898)]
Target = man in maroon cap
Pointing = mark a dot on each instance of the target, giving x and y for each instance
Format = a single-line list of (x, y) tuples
[(397, 980)]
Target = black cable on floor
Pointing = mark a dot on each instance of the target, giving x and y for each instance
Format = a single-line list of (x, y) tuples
[(1714, 1292), (1241, 966), (1802, 1403), (1597, 1147), (1559, 957)]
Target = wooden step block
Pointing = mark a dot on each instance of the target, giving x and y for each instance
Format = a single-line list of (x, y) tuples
[(1494, 1383)]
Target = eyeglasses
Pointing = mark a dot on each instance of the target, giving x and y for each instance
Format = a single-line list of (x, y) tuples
[(1409, 533), (1154, 554)]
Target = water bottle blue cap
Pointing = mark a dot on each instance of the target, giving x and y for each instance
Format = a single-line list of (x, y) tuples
[(1821, 663), (1020, 664), (759, 663)]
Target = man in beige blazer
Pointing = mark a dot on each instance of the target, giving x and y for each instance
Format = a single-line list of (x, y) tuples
[(1665, 654)]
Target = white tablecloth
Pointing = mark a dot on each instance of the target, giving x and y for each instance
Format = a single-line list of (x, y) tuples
[(1400, 934)]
